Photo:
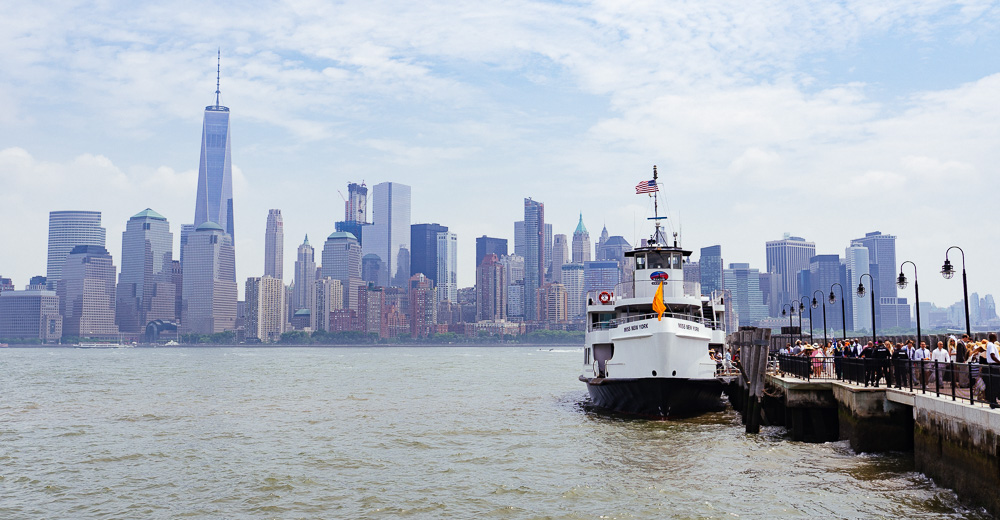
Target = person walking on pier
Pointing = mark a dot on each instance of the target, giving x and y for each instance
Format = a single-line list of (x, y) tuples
[(962, 349), (919, 358), (941, 359), (868, 364), (880, 353), (992, 370), (900, 361)]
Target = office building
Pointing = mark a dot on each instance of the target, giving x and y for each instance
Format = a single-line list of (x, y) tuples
[(534, 255), (370, 303), (519, 244), (423, 306), (488, 245), (491, 289), (68, 229), (447, 267), (514, 273), (265, 304), (146, 290), (600, 276), (423, 252), (552, 303), (87, 293), (303, 292), (329, 298), (883, 268), (389, 235), (743, 283), (215, 170), (30, 314), (581, 243), (274, 245), (209, 286), (857, 264), (342, 261), (711, 271), (785, 258), (560, 256), (576, 295)]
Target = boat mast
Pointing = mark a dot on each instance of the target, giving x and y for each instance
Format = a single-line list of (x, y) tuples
[(656, 210)]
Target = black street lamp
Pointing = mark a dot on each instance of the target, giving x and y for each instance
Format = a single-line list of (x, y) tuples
[(901, 282), (815, 303), (861, 294), (791, 311), (948, 271), (801, 308), (843, 311)]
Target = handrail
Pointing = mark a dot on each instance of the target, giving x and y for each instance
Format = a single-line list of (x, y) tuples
[(616, 322)]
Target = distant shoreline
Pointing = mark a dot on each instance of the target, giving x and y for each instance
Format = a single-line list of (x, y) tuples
[(313, 345)]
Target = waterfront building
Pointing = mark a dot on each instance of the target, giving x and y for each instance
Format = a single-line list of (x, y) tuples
[(785, 258), (30, 314), (423, 306), (274, 245), (514, 274), (743, 284), (488, 245), (329, 298), (370, 302), (711, 271), (581, 243), (560, 256), (424, 250), (447, 267), (576, 296), (87, 293), (534, 254), (491, 289), (856, 264), (883, 268), (209, 286), (552, 303), (303, 292), (68, 229), (342, 261), (389, 235), (265, 304), (146, 289), (215, 171)]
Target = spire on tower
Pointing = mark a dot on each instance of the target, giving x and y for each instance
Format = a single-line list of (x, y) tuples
[(218, 70)]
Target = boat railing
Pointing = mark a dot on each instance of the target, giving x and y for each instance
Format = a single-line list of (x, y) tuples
[(616, 322)]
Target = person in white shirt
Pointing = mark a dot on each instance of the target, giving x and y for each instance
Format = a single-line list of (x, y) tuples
[(917, 355), (941, 358), (991, 371)]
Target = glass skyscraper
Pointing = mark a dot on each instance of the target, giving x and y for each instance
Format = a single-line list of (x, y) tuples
[(389, 235), (534, 255), (215, 171), (68, 229), (146, 290)]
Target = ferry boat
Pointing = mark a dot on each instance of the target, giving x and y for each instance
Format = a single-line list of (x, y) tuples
[(648, 342), (102, 345)]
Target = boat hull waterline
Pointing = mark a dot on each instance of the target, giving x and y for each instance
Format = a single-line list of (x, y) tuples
[(656, 397)]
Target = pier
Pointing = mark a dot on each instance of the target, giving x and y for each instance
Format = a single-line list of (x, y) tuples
[(953, 433)]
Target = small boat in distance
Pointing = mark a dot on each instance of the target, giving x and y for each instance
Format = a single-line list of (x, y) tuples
[(647, 349), (102, 345)]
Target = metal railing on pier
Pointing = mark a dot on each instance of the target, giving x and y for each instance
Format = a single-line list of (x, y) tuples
[(973, 382)]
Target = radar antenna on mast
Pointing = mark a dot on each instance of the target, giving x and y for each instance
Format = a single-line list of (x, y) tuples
[(218, 70)]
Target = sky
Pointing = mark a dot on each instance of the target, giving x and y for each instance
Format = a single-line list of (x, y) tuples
[(825, 120)]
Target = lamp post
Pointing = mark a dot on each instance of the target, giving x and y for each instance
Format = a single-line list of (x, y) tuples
[(791, 310), (947, 271), (901, 283), (801, 308), (815, 302), (843, 311), (861, 294)]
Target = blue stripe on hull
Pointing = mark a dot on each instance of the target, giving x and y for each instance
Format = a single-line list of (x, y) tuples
[(658, 397)]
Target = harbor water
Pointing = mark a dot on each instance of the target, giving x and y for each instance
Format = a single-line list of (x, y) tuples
[(386, 432)]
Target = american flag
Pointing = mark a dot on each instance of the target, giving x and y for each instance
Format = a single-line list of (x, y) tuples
[(646, 187)]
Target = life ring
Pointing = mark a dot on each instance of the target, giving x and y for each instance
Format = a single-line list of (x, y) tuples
[(604, 297)]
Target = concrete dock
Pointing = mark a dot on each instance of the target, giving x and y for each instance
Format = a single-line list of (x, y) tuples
[(954, 442)]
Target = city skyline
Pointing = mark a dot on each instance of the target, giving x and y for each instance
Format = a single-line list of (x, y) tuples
[(827, 123)]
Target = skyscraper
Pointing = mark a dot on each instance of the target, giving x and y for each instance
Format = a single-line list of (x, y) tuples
[(342, 261), (87, 293), (576, 297), (215, 171), (30, 314), (274, 245), (857, 263), (305, 277), (488, 245), (581, 243), (560, 255), (882, 258), (329, 298), (519, 238), (491, 290), (534, 255), (423, 249), (209, 287), (389, 235), (265, 319), (68, 229), (785, 258), (514, 274), (447, 267), (743, 283), (423, 307), (711, 271), (146, 289)]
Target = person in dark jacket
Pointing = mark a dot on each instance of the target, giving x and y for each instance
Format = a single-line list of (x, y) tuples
[(880, 353), (900, 365)]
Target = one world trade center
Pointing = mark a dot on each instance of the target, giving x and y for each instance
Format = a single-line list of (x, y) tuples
[(215, 174)]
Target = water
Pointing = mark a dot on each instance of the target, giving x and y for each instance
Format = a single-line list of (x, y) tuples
[(397, 432)]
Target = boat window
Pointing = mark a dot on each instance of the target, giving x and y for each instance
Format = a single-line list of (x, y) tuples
[(640, 261), (676, 261), (658, 261)]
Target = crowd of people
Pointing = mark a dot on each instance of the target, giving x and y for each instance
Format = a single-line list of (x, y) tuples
[(905, 363)]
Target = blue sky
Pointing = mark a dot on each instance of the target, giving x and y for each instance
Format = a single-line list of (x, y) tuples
[(824, 119)]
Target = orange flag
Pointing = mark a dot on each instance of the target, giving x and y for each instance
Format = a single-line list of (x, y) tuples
[(658, 305)]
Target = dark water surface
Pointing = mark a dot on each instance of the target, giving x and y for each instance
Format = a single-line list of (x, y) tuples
[(398, 432)]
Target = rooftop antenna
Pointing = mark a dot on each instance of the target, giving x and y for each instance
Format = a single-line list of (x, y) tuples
[(218, 70)]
